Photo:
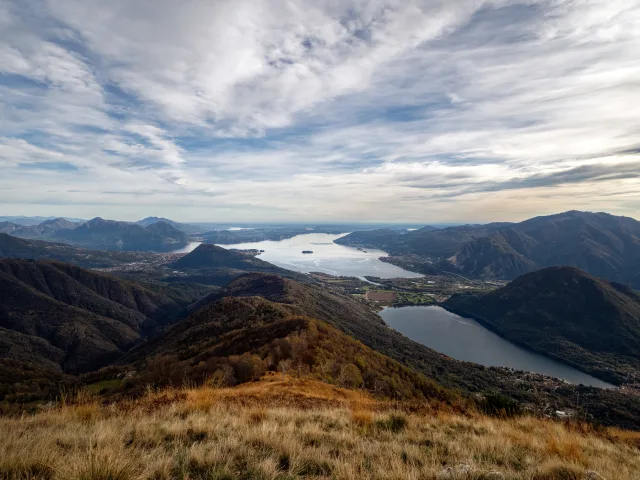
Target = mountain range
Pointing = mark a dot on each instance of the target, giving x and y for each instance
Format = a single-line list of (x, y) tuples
[(100, 234), (158, 324), (603, 245), (257, 320), (30, 221), (45, 229)]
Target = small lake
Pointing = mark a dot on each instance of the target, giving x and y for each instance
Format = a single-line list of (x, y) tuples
[(465, 339), (327, 257)]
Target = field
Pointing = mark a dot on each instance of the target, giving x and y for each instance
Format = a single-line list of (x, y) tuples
[(415, 298), (380, 296), (291, 428)]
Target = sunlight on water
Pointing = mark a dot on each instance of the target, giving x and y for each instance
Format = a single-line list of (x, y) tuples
[(327, 257)]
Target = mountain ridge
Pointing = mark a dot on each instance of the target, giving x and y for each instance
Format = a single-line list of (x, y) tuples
[(604, 245), (99, 233)]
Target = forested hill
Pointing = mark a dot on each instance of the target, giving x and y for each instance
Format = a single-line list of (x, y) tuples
[(58, 319), (236, 340), (207, 256), (567, 314), (212, 265)]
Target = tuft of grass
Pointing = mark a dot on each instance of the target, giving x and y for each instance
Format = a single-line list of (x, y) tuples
[(361, 417), (27, 471), (560, 472), (104, 465), (257, 416), (396, 422)]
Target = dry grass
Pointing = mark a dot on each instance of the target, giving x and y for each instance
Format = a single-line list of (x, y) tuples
[(298, 429)]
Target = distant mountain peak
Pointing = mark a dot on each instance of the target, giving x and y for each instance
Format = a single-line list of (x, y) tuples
[(183, 227), (145, 222), (211, 256), (96, 221), (165, 228)]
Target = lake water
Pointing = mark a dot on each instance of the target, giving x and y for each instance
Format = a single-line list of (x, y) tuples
[(465, 339), (327, 257)]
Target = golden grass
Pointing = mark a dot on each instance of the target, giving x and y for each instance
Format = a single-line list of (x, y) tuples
[(290, 429)]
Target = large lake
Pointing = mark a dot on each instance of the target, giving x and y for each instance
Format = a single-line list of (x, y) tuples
[(465, 339), (327, 257)]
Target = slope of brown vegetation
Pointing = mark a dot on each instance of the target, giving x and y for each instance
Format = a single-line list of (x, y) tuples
[(290, 429), (529, 390), (237, 340)]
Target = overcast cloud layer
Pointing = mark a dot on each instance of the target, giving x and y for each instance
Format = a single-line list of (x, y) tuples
[(247, 110)]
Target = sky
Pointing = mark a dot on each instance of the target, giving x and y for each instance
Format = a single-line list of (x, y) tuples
[(319, 110)]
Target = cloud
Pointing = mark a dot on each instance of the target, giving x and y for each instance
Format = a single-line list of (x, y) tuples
[(358, 109)]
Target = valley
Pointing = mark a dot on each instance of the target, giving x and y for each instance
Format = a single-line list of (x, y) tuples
[(341, 322), (319, 240)]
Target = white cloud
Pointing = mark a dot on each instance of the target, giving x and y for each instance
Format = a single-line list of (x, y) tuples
[(372, 109)]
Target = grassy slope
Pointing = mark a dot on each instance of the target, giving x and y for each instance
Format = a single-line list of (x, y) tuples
[(284, 430)]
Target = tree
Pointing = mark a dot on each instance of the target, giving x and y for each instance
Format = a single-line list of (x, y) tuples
[(324, 371), (222, 377), (284, 365), (249, 367), (350, 376)]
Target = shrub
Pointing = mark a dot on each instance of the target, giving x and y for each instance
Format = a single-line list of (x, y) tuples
[(500, 406), (395, 423)]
